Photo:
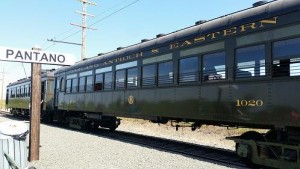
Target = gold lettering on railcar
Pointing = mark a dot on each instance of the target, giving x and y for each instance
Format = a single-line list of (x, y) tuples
[(130, 99), (213, 35), (174, 45), (202, 38), (250, 25), (272, 21), (229, 31), (153, 51), (199, 39), (186, 43), (249, 103)]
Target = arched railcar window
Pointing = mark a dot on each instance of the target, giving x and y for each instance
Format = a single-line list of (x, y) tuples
[(126, 75), (62, 84), (86, 81), (286, 58), (188, 70), (250, 61), (214, 66), (103, 76), (72, 83)]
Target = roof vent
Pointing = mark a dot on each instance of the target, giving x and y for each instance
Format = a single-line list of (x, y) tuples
[(119, 48), (160, 35), (259, 3), (84, 59), (200, 22), (99, 54), (144, 40)]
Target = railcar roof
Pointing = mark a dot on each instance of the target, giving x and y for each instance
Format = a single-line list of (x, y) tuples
[(268, 10), (45, 74)]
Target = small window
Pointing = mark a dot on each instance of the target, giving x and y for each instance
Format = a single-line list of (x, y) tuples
[(89, 83), (132, 77), (148, 77), (250, 61), (165, 73), (57, 84), (62, 85), (22, 91), (120, 79), (188, 70), (108, 81), (74, 85), (286, 58), (82, 84), (214, 66), (68, 86), (29, 91), (98, 82), (18, 92)]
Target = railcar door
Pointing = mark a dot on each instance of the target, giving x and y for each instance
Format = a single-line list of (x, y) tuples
[(7, 94), (43, 94), (56, 92)]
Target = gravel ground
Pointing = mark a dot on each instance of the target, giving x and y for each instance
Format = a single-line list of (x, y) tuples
[(62, 148)]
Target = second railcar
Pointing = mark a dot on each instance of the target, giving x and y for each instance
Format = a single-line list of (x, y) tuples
[(18, 94)]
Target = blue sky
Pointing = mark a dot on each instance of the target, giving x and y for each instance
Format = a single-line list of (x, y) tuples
[(25, 24)]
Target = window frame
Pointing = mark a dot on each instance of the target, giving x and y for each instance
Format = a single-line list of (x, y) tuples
[(202, 74), (197, 73), (247, 77), (166, 81), (154, 75)]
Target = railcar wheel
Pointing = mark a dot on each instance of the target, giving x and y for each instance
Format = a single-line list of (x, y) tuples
[(246, 158), (113, 128)]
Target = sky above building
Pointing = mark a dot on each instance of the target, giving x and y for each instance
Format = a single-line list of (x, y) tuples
[(119, 23)]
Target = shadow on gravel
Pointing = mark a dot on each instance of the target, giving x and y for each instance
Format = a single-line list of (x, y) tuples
[(161, 144)]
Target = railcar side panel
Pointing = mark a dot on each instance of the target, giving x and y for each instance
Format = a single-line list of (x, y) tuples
[(132, 102), (285, 106), (147, 102), (187, 102), (214, 103), (89, 102), (250, 102), (77, 102)]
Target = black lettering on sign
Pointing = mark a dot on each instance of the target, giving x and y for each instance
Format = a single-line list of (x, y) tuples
[(61, 58), (19, 55), (44, 57), (9, 52)]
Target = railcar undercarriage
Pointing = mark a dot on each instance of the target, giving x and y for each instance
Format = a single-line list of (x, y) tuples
[(85, 121), (278, 148)]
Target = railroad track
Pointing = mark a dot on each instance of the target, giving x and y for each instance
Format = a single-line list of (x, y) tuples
[(210, 154), (221, 156)]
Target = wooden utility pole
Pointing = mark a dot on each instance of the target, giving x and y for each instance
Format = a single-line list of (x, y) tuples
[(2, 87), (34, 142), (83, 25)]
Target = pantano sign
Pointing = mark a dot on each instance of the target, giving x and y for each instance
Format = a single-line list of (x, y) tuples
[(34, 56)]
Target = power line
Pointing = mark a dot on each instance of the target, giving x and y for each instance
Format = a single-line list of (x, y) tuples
[(99, 19), (114, 12)]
